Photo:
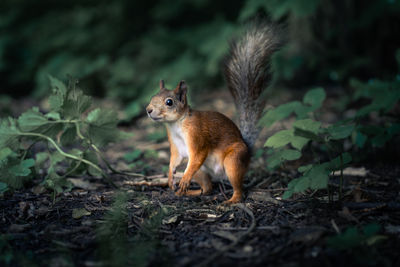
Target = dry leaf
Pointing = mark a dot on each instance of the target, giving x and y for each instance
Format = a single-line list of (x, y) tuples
[(170, 220), (80, 183), (78, 213)]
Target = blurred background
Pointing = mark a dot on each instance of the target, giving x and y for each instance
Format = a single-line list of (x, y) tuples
[(120, 49)]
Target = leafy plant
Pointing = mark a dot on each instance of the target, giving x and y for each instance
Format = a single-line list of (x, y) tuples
[(331, 138), (353, 237), (69, 123)]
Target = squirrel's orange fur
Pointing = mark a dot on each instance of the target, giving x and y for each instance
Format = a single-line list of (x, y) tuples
[(210, 141)]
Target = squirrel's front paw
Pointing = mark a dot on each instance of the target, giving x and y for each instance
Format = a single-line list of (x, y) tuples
[(171, 184), (183, 187)]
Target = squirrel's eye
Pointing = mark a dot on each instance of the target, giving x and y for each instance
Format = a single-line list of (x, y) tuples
[(169, 102)]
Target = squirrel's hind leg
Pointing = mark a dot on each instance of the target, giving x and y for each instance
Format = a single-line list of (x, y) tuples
[(235, 165)]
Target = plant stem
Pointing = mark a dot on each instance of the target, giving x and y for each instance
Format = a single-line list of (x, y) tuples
[(67, 155), (97, 150)]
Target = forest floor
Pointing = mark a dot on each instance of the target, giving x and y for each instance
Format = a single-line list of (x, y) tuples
[(162, 229)]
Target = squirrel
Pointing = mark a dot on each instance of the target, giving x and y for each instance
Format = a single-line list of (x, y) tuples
[(211, 142)]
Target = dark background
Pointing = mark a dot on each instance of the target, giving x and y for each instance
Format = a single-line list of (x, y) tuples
[(120, 49)]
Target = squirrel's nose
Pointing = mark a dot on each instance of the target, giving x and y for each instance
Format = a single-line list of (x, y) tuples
[(149, 110)]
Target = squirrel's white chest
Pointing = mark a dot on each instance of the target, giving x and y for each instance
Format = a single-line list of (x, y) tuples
[(211, 165), (178, 138)]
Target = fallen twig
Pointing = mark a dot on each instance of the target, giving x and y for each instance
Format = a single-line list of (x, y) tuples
[(234, 243), (369, 206), (154, 180)]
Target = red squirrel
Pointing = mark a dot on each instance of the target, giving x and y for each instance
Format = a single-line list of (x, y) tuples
[(211, 142)]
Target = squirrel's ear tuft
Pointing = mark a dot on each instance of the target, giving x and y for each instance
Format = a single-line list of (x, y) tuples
[(162, 85), (182, 85), (180, 91)]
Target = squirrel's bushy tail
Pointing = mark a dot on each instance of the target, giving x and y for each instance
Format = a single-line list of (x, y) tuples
[(247, 75)]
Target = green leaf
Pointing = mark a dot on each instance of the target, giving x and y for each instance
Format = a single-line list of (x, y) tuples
[(92, 157), (340, 132), (371, 229), (8, 132), (380, 140), (31, 120), (3, 188), (307, 135), (5, 153), (57, 85), (315, 98), (23, 168), (314, 177), (278, 157), (53, 115), (318, 176), (83, 103), (353, 238), (349, 239), (335, 164), (55, 158), (285, 137), (41, 158), (302, 184), (299, 142), (75, 104), (57, 183), (279, 113), (288, 193), (304, 168), (360, 139), (103, 126), (15, 172), (308, 125), (56, 100), (279, 139), (132, 156), (69, 136), (290, 154), (291, 185)]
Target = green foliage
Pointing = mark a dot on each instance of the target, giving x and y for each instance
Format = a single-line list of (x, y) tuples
[(102, 126), (65, 124), (353, 237), (280, 8), (280, 156), (312, 101), (383, 95), (14, 171), (315, 175), (121, 53), (132, 156)]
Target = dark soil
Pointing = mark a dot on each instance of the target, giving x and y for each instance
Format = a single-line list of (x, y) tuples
[(262, 231)]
